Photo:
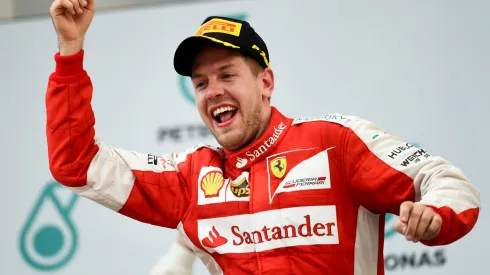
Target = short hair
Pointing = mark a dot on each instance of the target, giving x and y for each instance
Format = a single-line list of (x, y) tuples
[(253, 65)]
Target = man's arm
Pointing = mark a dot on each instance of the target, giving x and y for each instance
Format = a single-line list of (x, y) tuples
[(147, 188), (71, 20), (388, 175)]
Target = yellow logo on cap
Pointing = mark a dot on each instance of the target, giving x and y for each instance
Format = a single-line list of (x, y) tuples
[(220, 26), (278, 166), (212, 183)]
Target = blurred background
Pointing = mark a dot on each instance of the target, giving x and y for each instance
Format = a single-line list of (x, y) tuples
[(419, 69)]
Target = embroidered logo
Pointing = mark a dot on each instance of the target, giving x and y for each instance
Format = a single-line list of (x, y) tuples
[(214, 240), (278, 166), (212, 183), (220, 26), (240, 188), (240, 163), (260, 150)]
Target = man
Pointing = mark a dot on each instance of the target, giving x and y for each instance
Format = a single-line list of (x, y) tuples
[(282, 195)]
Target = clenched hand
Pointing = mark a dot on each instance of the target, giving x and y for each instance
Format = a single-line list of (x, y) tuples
[(71, 19), (418, 222)]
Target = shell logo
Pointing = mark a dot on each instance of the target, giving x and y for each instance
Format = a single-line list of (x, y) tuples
[(212, 183)]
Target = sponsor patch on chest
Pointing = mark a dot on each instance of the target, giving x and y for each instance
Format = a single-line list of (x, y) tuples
[(213, 187), (306, 169), (270, 229)]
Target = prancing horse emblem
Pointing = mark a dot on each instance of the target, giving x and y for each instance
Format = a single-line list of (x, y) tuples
[(278, 166)]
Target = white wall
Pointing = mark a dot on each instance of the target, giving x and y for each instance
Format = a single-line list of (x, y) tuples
[(10, 9), (6, 10)]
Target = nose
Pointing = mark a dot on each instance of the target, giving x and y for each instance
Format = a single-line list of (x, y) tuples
[(213, 90)]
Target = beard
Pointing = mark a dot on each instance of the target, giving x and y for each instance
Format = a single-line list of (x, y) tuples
[(240, 137)]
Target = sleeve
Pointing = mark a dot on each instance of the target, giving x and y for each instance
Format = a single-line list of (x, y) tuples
[(178, 260), (384, 171), (145, 187)]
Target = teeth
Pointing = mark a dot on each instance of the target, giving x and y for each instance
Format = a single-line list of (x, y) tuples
[(222, 110)]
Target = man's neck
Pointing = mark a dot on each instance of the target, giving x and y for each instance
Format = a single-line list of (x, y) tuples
[(265, 122), (265, 140)]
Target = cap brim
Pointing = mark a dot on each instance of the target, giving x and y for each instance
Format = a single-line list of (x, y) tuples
[(189, 48)]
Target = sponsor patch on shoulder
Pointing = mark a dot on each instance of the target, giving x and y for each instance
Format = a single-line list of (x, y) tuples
[(159, 163), (343, 120), (340, 119)]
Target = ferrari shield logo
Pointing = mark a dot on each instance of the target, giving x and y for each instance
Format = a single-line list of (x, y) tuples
[(278, 166)]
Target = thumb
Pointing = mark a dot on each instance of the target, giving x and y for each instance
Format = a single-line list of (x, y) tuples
[(400, 227), (405, 210)]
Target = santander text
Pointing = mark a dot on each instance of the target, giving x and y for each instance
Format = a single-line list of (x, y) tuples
[(305, 229)]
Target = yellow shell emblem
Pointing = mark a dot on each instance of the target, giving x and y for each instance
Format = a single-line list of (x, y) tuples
[(278, 166), (212, 183)]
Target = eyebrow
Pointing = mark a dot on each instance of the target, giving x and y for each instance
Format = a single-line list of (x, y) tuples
[(226, 66)]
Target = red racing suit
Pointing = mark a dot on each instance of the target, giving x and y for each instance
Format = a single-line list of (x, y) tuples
[(308, 197)]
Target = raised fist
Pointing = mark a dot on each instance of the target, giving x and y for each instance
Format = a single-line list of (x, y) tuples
[(418, 222), (71, 19)]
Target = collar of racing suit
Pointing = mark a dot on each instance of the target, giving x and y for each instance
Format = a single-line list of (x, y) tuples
[(263, 146)]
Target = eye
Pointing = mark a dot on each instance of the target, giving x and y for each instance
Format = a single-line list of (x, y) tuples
[(200, 84), (225, 76)]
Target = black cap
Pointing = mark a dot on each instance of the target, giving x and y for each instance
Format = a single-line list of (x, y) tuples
[(223, 31)]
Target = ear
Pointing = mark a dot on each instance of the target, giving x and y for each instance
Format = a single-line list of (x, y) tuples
[(267, 82)]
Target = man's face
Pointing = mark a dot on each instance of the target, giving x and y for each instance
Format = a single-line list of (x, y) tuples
[(231, 98)]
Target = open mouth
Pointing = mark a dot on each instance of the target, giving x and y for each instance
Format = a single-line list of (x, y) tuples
[(224, 114)]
